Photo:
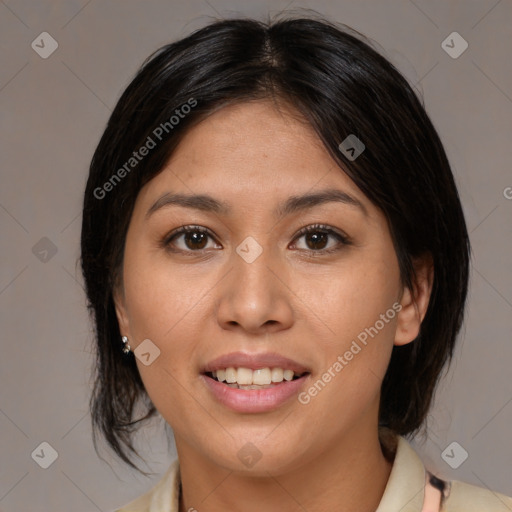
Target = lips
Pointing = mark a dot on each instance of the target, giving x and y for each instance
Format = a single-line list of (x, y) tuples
[(261, 400), (251, 398)]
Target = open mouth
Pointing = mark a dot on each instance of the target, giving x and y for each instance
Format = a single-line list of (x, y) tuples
[(245, 378), (263, 389)]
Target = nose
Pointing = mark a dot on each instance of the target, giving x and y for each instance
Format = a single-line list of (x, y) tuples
[(255, 295)]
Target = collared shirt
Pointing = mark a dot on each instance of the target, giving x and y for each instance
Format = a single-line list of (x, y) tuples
[(410, 488)]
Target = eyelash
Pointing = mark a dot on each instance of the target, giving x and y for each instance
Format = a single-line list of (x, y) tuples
[(315, 228)]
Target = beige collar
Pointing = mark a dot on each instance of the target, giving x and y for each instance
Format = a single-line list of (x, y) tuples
[(405, 489)]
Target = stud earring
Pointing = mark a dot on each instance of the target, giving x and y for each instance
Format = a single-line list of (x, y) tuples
[(126, 347)]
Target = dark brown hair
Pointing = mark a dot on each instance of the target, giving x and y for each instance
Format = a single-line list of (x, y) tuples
[(340, 86)]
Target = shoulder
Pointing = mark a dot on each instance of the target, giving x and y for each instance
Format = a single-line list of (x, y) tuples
[(464, 497), (163, 496), (409, 474)]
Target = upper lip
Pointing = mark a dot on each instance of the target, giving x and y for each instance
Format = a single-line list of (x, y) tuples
[(254, 362)]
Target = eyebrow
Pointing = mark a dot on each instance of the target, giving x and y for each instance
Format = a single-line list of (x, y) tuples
[(293, 204)]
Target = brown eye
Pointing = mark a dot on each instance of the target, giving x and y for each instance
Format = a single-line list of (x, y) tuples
[(318, 237), (316, 240), (188, 239), (195, 240)]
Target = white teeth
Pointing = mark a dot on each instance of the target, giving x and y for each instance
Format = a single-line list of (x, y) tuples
[(244, 376), (261, 377), (288, 374), (277, 374), (247, 378), (231, 375)]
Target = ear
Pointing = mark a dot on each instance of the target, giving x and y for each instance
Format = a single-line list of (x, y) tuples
[(415, 302), (121, 311)]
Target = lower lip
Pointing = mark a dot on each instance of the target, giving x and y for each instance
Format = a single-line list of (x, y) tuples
[(254, 400)]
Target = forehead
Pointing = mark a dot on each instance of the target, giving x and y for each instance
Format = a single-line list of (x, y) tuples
[(241, 133), (249, 153)]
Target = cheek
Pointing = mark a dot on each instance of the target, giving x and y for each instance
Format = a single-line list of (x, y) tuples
[(354, 365), (360, 291), (164, 306), (358, 308), (159, 298)]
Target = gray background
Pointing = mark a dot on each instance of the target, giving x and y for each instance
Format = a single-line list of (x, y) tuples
[(53, 113)]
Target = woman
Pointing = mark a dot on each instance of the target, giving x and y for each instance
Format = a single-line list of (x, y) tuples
[(276, 260)]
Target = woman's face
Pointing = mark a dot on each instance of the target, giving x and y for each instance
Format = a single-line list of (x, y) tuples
[(254, 293)]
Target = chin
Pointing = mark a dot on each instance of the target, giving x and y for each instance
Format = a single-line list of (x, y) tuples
[(259, 459)]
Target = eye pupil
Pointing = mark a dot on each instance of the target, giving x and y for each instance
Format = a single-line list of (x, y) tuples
[(195, 237), (318, 240)]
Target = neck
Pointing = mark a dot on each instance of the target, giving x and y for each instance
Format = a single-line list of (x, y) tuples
[(350, 476)]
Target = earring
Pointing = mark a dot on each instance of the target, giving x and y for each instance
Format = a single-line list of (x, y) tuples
[(126, 348)]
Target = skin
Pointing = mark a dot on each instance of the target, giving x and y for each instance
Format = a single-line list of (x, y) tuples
[(294, 299)]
